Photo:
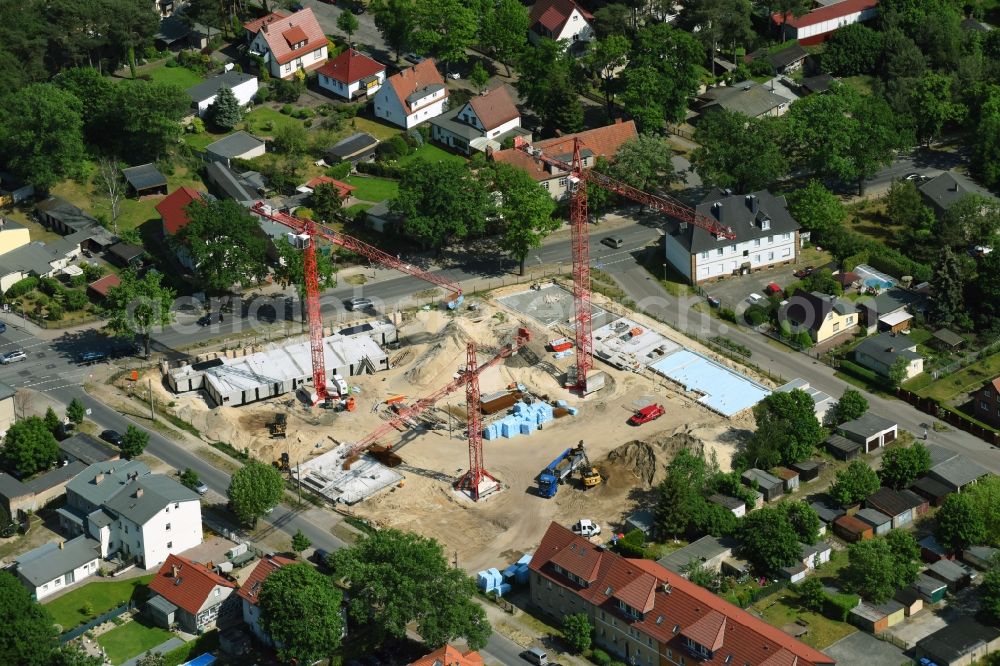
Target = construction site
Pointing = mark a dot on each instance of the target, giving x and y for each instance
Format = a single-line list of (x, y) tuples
[(476, 423)]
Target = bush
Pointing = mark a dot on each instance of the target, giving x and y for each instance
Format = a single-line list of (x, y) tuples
[(303, 113), (55, 311), (339, 171), (839, 606), (287, 109), (22, 287), (760, 67), (76, 300), (49, 286), (172, 62), (632, 544), (90, 271), (852, 368), (263, 94), (380, 169), (287, 91), (727, 314), (600, 657)]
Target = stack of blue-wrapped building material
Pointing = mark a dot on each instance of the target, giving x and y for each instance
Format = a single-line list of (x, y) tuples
[(489, 580)]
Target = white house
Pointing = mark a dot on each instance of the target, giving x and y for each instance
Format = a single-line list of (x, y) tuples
[(190, 595), (414, 95), (828, 17), (560, 20), (766, 236), (287, 43), (52, 567), (244, 87), (485, 120), (129, 511), (352, 74), (249, 593)]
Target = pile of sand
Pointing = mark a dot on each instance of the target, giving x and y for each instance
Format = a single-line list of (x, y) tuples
[(647, 461)]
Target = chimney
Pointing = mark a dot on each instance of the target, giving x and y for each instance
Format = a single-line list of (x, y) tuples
[(138, 492), (98, 478), (717, 210), (618, 121), (174, 570), (891, 350), (753, 203)]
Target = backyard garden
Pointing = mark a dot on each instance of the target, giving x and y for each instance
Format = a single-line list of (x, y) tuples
[(94, 599)]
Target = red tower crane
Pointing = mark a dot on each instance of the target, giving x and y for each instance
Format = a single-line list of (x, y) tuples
[(306, 233), (468, 378), (578, 178)]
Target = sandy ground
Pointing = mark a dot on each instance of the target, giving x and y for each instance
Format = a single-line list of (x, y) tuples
[(498, 529)]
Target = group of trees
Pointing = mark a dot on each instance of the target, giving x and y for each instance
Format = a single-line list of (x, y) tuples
[(970, 518), (787, 432), (878, 567), (770, 537)]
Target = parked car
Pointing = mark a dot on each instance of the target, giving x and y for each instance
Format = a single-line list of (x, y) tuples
[(915, 177), (536, 656), (612, 241), (753, 299), (320, 556), (772, 289), (414, 58), (359, 304), (587, 528), (3, 327), (358, 9), (13, 356), (210, 318), (296, 7), (714, 302), (112, 437), (91, 357), (804, 272), (454, 75), (201, 488)]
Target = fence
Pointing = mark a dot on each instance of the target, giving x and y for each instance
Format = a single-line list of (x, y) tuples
[(62, 323), (950, 416), (100, 619)]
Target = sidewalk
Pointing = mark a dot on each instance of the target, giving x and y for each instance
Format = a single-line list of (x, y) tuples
[(162, 648)]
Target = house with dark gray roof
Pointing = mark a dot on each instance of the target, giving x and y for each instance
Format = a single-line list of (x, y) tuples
[(643, 520), (227, 184), (86, 449), (356, 148), (769, 485), (961, 642), (821, 83), (950, 573), (842, 448), (735, 505), (707, 552), (822, 315), (747, 97), (945, 190), (789, 59), (870, 430), (243, 87), (766, 236), (893, 504), (827, 510), (238, 145), (879, 352), (65, 218), (54, 566)]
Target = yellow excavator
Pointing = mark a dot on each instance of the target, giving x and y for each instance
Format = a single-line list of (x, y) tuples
[(590, 477)]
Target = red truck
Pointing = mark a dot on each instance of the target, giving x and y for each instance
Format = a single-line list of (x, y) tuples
[(647, 414)]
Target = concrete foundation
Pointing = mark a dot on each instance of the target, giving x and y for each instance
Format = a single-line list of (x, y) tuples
[(325, 475)]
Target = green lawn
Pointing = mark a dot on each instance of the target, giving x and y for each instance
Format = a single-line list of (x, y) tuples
[(376, 128), (431, 153), (353, 210), (131, 640), (965, 379), (181, 76), (204, 643), (782, 608), (862, 83), (202, 140), (103, 596), (264, 120), (373, 189)]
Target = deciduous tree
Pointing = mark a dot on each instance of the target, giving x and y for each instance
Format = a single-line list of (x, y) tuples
[(300, 610), (398, 577), (505, 30), (644, 163), (300, 542), (74, 655), (577, 632), (291, 269), (41, 134), (989, 589), (479, 77), (661, 76), (853, 49), (347, 23), (852, 405), (139, 305), (902, 466), (134, 442), (254, 489), (898, 371), (605, 58), (791, 417), (905, 207), (878, 567), (29, 447), (547, 84), (445, 28), (803, 518), (768, 540), (395, 21), (931, 99), (959, 524), (225, 244), (440, 202), (524, 210), (189, 478), (737, 152), (27, 634), (854, 483), (326, 201), (147, 120), (75, 411)]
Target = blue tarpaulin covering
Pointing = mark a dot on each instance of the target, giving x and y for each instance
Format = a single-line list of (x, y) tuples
[(723, 390)]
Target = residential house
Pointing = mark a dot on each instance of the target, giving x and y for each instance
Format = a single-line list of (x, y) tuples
[(893, 504), (343, 189), (249, 593), (172, 210), (359, 147), (737, 506), (945, 190), (823, 316), (380, 218), (560, 20), (287, 43), (880, 523), (243, 86), (789, 59), (351, 75), (125, 255), (446, 655), (13, 190), (878, 353), (707, 552), (912, 601), (64, 218), (175, 33), (598, 142), (484, 122), (86, 449), (99, 288), (851, 529), (145, 180), (227, 184), (960, 643), (131, 512), (957, 473), (947, 339), (53, 567), (789, 478), (645, 614), (817, 26), (979, 556), (412, 96), (815, 85), (932, 490), (14, 495), (821, 401), (931, 590), (766, 236), (21, 497), (13, 235), (769, 485), (950, 573), (746, 97), (35, 259), (986, 403), (643, 520), (188, 594), (891, 310), (238, 145), (876, 618), (842, 448)]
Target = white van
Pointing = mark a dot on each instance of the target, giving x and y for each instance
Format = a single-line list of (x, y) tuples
[(536, 656)]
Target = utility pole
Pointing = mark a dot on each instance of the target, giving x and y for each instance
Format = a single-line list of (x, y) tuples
[(298, 477), (152, 412)]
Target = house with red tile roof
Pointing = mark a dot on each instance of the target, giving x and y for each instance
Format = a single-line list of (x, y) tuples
[(412, 96), (172, 209), (343, 189), (100, 286), (249, 593), (817, 26), (485, 121), (189, 594), (598, 142), (447, 655), (287, 42), (645, 614), (351, 75), (560, 20)]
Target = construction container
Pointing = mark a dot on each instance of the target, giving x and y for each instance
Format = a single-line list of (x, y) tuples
[(493, 405), (560, 344), (524, 560), (510, 572), (503, 589), (521, 574)]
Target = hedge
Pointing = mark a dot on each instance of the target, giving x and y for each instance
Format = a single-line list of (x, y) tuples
[(852, 368), (22, 287), (839, 606), (380, 169)]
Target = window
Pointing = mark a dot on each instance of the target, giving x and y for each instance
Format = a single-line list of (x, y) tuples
[(704, 255), (850, 320), (756, 242), (168, 527), (756, 258), (787, 252), (985, 406), (545, 184), (170, 544), (732, 248), (770, 256), (562, 182), (785, 236), (317, 54), (217, 592), (770, 239), (719, 251), (836, 327)]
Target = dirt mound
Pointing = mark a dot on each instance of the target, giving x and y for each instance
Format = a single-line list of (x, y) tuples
[(448, 351), (648, 460)]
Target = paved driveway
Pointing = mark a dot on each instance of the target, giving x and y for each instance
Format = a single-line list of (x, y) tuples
[(863, 648), (733, 290)]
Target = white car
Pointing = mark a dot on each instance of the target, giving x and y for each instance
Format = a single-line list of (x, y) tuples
[(586, 528), (454, 75), (754, 298), (341, 385)]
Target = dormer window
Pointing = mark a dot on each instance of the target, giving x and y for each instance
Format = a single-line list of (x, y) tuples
[(558, 568), (659, 620), (608, 591)]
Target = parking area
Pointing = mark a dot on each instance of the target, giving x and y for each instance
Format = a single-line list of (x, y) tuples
[(863, 648), (733, 291)]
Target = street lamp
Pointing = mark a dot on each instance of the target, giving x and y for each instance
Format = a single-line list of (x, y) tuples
[(664, 271)]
